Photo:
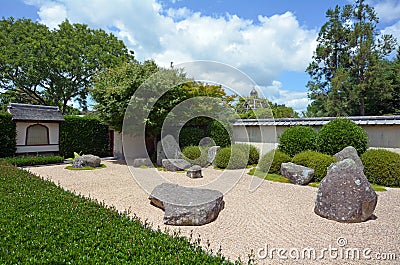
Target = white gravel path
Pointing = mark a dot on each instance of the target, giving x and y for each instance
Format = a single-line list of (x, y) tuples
[(275, 216)]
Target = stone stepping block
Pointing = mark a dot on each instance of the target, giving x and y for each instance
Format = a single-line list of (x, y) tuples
[(187, 206), (194, 172)]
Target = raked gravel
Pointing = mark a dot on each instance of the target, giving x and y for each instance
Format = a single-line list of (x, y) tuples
[(274, 216)]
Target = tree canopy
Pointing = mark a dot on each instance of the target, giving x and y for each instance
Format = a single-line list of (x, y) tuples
[(350, 69), (54, 67)]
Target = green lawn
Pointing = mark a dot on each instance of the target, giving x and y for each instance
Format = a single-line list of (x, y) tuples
[(40, 223)]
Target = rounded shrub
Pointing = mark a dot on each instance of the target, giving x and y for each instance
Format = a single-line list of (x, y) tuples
[(382, 167), (297, 139), (231, 158), (277, 157), (190, 136), (340, 133), (219, 134), (195, 155), (315, 160), (251, 150)]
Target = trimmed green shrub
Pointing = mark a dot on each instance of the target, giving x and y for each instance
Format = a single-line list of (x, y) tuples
[(382, 167), (195, 155), (251, 150), (219, 134), (297, 139), (315, 160), (43, 224), (277, 157), (190, 136), (84, 135), (231, 158), (8, 135), (340, 133), (21, 161)]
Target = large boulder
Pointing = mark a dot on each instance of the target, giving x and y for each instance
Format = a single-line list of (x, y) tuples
[(349, 152), (187, 206), (167, 148), (212, 153), (345, 194), (86, 161), (297, 174), (175, 164)]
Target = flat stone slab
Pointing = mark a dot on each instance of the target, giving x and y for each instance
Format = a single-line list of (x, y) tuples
[(187, 206), (297, 174), (138, 162), (175, 164)]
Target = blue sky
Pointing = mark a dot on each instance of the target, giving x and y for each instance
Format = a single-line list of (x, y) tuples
[(271, 41)]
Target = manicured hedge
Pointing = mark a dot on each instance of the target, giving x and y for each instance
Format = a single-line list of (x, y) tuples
[(271, 162), (8, 133), (40, 223), (195, 155), (315, 160), (231, 158), (84, 135), (340, 133), (297, 139), (251, 150), (21, 161), (382, 167)]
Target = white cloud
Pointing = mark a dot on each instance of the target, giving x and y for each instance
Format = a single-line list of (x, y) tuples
[(387, 10), (52, 14), (297, 100), (394, 30), (262, 49)]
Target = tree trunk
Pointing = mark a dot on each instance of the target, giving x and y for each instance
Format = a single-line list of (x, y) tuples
[(362, 105)]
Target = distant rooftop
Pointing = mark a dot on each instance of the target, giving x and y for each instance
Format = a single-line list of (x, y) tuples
[(27, 112), (319, 121)]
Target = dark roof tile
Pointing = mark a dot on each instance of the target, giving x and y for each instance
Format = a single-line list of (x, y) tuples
[(27, 112)]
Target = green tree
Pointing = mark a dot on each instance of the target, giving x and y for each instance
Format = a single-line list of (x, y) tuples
[(345, 64), (117, 90), (53, 67)]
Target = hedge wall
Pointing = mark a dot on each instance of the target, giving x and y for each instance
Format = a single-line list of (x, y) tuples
[(85, 135), (8, 135)]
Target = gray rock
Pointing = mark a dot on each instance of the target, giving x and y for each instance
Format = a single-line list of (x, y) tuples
[(138, 162), (297, 174), (175, 164), (168, 148), (345, 194), (187, 206), (86, 161), (349, 152), (207, 142), (212, 153), (194, 172)]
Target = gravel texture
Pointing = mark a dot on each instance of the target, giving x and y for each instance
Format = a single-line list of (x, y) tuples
[(274, 216)]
